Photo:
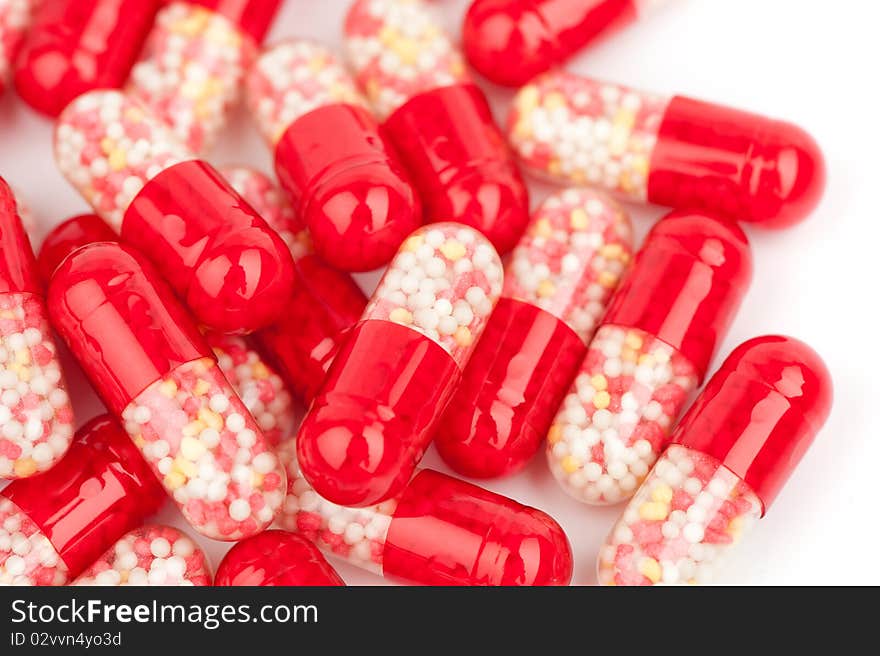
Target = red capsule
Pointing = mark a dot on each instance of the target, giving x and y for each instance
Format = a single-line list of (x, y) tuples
[(15, 19), (66, 237), (437, 118), (556, 286), (71, 514), (729, 457), (325, 303), (148, 362), (76, 46), (512, 41), (233, 272), (344, 178), (276, 558), (650, 353), (438, 531), (36, 417), (379, 406), (195, 60), (678, 152)]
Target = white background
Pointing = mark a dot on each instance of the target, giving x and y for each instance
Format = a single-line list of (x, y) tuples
[(809, 61)]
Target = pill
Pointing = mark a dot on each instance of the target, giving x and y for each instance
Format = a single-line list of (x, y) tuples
[(62, 520), (152, 368), (325, 303), (677, 152), (75, 46), (194, 62), (649, 354), (557, 284), (343, 176), (149, 556), (438, 119), (36, 417), (276, 558), (437, 531), (512, 41), (379, 406), (738, 443), (15, 19), (233, 272)]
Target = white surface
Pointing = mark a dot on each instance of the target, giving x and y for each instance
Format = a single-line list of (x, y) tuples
[(798, 59)]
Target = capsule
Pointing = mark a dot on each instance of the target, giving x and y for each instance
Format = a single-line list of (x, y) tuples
[(556, 286), (258, 386), (438, 119), (75, 46), (150, 556), (195, 60), (730, 455), (511, 41), (325, 302), (437, 531), (232, 271), (15, 19), (678, 152), (152, 368), (344, 177), (54, 525), (648, 356), (379, 406), (276, 558), (36, 418)]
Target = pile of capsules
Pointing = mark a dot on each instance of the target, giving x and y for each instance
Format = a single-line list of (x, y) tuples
[(202, 303)]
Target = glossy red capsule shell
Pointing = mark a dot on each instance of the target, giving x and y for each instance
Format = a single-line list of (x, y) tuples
[(380, 403), (75, 46), (678, 152), (438, 119), (151, 366), (276, 558), (512, 41), (101, 490), (342, 174), (67, 237), (649, 354), (232, 271)]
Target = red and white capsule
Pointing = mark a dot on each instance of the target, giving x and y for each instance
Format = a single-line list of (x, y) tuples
[(232, 271), (159, 556), (54, 525), (438, 119), (15, 18), (341, 172), (194, 62), (649, 354), (148, 362), (677, 152), (730, 456), (36, 418), (557, 284), (325, 303), (437, 531), (379, 406)]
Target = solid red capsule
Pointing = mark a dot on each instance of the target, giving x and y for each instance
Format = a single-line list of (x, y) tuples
[(343, 175), (195, 60), (649, 354), (276, 558), (325, 303), (438, 531), (152, 368), (729, 457), (380, 403), (233, 272), (67, 237), (58, 523), (512, 41), (556, 286), (438, 119), (76, 46), (677, 152)]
